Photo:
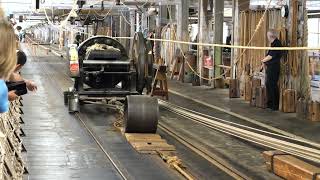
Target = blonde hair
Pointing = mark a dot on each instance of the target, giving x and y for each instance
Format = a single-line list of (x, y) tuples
[(8, 56)]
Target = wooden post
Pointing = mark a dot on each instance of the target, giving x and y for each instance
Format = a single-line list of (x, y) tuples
[(133, 26), (161, 20), (182, 29), (183, 23), (218, 36), (203, 35)]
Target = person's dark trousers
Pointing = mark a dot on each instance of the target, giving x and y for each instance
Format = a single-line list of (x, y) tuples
[(272, 73)]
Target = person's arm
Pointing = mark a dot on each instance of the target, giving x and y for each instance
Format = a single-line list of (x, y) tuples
[(12, 95), (14, 77), (31, 85), (266, 59)]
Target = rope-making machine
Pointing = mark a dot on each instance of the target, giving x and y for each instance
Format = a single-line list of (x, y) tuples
[(103, 72)]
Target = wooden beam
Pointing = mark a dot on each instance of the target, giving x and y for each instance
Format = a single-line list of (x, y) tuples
[(203, 35), (183, 23), (218, 35), (235, 35), (289, 167)]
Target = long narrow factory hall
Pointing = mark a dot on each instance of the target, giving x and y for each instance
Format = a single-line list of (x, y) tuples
[(168, 89)]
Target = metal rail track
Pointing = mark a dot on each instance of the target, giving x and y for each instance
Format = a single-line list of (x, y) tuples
[(208, 156), (101, 147), (77, 115), (308, 151)]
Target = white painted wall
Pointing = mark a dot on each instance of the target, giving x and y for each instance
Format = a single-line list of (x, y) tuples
[(314, 32)]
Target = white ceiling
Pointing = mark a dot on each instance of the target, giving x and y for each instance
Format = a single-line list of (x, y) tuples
[(27, 5)]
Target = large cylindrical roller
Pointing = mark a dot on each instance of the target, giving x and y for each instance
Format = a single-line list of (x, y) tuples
[(141, 114)]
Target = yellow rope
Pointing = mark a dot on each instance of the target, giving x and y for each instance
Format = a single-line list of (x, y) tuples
[(233, 46)]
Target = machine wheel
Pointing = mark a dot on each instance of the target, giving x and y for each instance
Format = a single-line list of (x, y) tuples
[(141, 53), (141, 114)]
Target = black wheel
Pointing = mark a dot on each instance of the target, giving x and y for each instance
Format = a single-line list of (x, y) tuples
[(141, 114), (141, 53)]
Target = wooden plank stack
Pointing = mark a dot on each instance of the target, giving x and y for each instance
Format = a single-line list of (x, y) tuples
[(289, 167), (149, 143), (12, 165)]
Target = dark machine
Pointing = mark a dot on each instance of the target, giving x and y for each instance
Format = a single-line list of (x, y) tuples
[(108, 75)]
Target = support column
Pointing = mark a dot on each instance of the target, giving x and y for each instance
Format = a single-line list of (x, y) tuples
[(133, 23), (173, 12), (298, 36), (122, 30), (234, 36), (218, 35), (124, 26), (162, 16), (144, 21), (161, 21), (237, 6), (183, 23), (203, 35)]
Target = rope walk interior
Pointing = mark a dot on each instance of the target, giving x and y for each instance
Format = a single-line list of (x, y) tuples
[(252, 46)]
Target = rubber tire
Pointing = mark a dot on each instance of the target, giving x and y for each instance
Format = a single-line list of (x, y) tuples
[(141, 114)]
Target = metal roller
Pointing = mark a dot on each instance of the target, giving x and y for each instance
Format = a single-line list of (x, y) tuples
[(141, 114)]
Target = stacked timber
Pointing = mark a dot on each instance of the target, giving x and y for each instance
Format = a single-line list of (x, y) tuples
[(12, 165), (289, 167), (288, 101)]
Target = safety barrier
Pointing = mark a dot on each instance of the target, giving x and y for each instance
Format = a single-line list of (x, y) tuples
[(12, 165)]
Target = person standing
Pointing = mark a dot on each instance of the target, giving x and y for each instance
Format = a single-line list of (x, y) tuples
[(8, 59), (272, 64)]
